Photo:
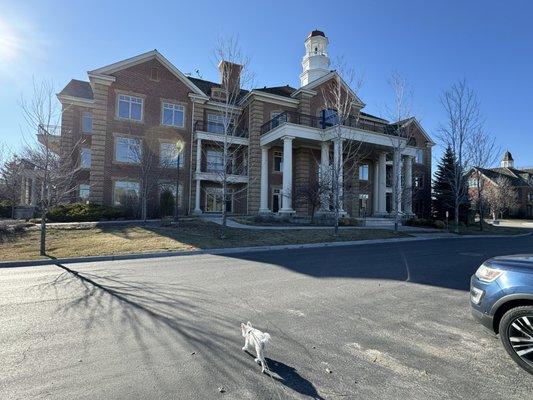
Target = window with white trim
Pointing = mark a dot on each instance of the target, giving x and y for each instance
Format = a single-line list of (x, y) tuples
[(215, 161), (85, 157), (125, 192), (84, 191), (173, 115), (363, 172), (419, 159), (216, 124), (128, 150), (472, 182), (278, 161), (86, 122), (168, 155), (130, 107)]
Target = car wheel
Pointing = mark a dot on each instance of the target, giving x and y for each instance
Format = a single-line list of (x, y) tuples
[(516, 333)]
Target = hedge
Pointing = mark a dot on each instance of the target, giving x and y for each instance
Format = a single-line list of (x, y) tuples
[(80, 212)]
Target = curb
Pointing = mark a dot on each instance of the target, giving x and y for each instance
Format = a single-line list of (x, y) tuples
[(235, 250)]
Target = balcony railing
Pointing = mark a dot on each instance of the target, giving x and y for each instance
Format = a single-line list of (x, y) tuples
[(320, 122), (218, 128)]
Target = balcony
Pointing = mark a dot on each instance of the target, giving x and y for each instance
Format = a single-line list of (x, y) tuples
[(50, 136), (218, 128), (322, 122)]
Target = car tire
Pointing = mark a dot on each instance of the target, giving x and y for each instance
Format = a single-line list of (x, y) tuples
[(515, 317)]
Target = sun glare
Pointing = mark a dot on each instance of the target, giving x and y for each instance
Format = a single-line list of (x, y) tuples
[(9, 43)]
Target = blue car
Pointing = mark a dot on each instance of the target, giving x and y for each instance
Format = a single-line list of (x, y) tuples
[(501, 298)]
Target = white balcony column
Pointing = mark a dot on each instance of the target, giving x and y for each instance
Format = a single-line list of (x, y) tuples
[(397, 190), (338, 165), (408, 182), (382, 185), (263, 206), (287, 176), (197, 209), (325, 174), (375, 188)]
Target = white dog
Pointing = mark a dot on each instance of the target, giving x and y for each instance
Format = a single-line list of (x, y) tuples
[(254, 338)]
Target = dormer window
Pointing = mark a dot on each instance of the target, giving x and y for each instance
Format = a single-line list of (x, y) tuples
[(218, 94)]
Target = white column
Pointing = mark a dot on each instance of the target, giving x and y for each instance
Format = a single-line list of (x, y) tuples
[(397, 181), (382, 178), (375, 188), (287, 175), (338, 165), (197, 209), (408, 181), (263, 207), (325, 174)]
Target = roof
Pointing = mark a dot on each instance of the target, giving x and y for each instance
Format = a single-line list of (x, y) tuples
[(507, 156), (512, 174), (364, 114), (77, 88), (206, 86), (316, 32), (284, 91)]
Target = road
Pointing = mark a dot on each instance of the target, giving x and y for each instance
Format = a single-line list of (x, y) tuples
[(388, 321)]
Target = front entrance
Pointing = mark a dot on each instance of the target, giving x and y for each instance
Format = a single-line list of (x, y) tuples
[(276, 200), (214, 201)]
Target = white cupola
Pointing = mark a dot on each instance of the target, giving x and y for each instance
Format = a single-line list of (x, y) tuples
[(315, 63)]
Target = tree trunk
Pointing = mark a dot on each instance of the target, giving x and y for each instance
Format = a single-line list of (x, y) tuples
[(456, 216), (42, 250), (143, 207), (481, 212), (13, 211)]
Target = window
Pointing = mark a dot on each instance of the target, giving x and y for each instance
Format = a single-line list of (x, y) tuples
[(277, 118), (530, 196), (216, 124), (214, 200), (276, 199), (418, 181), (125, 193), (363, 172), (363, 201), (215, 162), (419, 156), (472, 182), (173, 115), (154, 74), (84, 191), (130, 107), (329, 118), (85, 157), (168, 155), (86, 122), (278, 161), (128, 150)]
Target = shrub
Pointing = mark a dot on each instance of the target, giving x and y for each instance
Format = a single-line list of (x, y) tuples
[(425, 223), (80, 212), (5, 209), (347, 221), (167, 203), (439, 224)]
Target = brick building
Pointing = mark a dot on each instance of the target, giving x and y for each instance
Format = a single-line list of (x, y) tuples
[(145, 102), (521, 179)]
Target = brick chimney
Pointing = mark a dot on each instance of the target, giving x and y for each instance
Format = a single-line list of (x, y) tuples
[(232, 73)]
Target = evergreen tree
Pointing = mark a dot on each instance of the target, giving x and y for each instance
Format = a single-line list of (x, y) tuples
[(443, 199)]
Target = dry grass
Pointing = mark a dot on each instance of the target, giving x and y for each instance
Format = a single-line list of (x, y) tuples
[(489, 229), (189, 235)]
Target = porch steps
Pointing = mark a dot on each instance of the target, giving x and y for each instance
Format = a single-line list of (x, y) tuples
[(376, 222)]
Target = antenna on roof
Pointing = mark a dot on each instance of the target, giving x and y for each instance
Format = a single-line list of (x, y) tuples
[(197, 71)]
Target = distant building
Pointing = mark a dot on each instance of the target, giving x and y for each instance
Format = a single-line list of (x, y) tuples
[(520, 178)]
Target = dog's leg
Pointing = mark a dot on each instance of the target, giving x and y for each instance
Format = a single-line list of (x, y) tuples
[(246, 344), (260, 358)]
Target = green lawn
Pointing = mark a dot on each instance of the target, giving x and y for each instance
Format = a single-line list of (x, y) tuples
[(189, 235)]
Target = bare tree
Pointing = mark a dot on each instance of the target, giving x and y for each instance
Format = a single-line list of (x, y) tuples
[(401, 134), (311, 193), (11, 181), (463, 122), (235, 72), (501, 197), (484, 151), (54, 172), (342, 107)]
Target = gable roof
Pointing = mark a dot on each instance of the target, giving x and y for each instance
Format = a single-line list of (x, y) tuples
[(77, 88), (408, 121), (141, 58), (513, 175), (206, 86), (285, 91)]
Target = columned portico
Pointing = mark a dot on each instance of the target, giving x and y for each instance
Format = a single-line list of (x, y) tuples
[(287, 176), (408, 181), (338, 165), (197, 209), (382, 183), (325, 174), (263, 205)]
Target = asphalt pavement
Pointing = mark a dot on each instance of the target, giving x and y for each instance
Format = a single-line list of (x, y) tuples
[(381, 321)]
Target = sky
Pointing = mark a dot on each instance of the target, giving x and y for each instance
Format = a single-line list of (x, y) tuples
[(432, 43)]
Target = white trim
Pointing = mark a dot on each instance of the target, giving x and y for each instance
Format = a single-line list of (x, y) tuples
[(308, 92), (100, 78), (325, 78), (215, 177), (77, 101), (174, 105), (413, 119), (217, 106), (150, 55), (269, 97), (217, 137), (131, 96)]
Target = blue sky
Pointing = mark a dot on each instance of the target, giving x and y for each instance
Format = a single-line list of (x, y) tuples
[(432, 43)]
